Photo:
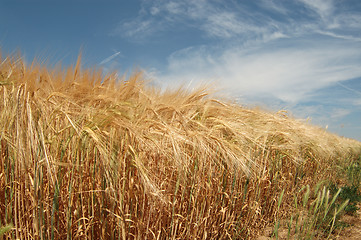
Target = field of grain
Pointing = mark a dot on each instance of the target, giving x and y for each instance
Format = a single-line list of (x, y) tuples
[(89, 156)]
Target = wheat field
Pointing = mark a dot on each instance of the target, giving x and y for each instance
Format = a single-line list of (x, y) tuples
[(85, 155)]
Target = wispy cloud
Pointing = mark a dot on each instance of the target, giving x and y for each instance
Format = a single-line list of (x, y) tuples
[(239, 21), (110, 58), (341, 36), (288, 73), (339, 113), (350, 89), (357, 102), (137, 28), (274, 6), (324, 8), (211, 17), (322, 115)]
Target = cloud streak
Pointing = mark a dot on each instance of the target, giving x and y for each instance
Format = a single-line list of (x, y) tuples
[(350, 89), (110, 58)]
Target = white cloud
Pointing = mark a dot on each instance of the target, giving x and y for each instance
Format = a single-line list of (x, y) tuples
[(173, 7), (323, 7), (350, 89), (223, 25), (350, 20), (274, 6), (226, 24), (110, 58), (341, 36), (309, 112), (210, 17), (357, 102), (240, 21), (339, 113), (320, 114), (289, 74), (154, 11), (137, 28)]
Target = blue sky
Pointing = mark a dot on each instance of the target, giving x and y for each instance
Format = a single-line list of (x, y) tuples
[(303, 55)]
